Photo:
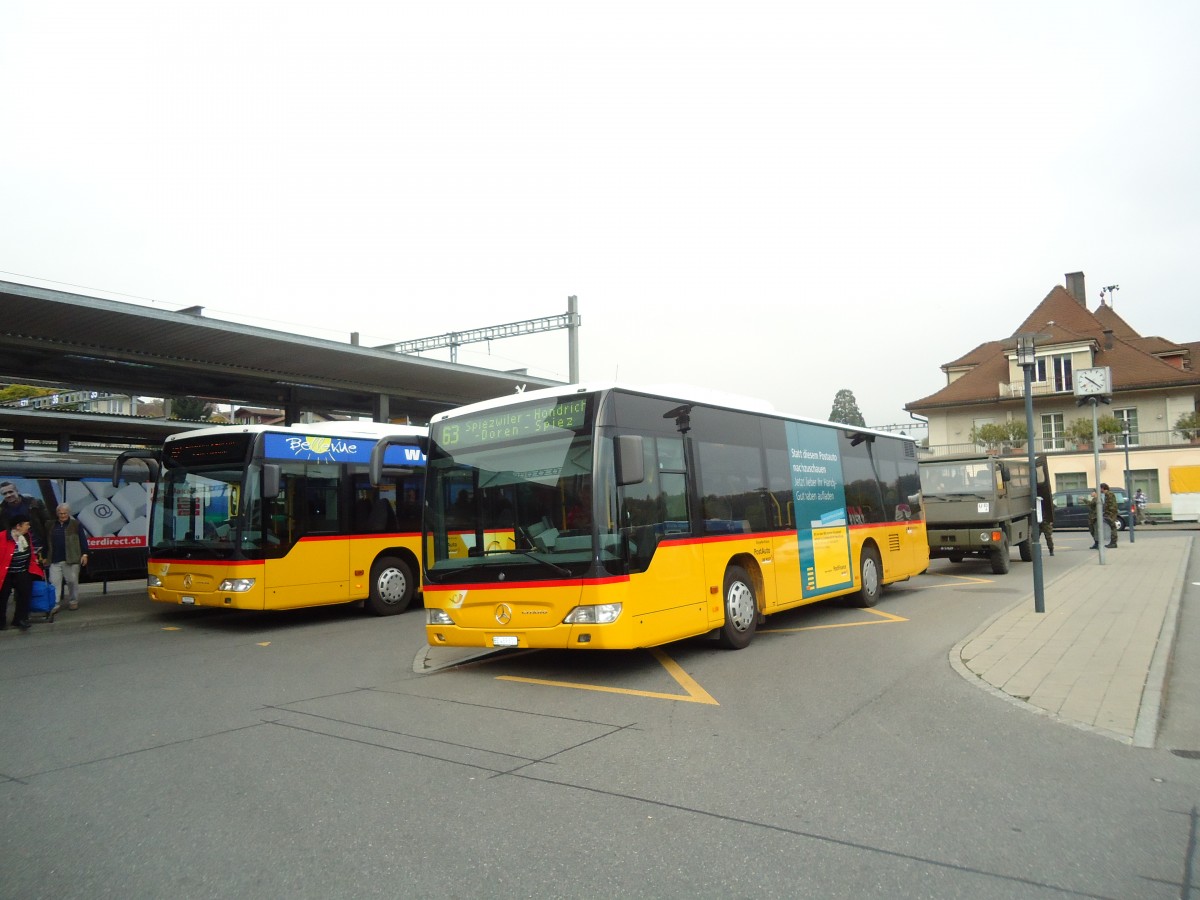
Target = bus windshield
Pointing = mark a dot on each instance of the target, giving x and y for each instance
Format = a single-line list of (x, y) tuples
[(516, 490), (196, 509), (197, 505)]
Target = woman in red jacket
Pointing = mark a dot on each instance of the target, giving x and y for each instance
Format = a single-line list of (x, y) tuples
[(19, 564)]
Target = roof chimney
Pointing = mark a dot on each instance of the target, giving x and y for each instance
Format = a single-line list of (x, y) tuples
[(1108, 336), (1075, 286)]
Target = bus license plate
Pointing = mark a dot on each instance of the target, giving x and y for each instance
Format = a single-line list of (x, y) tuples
[(188, 601), (505, 640)]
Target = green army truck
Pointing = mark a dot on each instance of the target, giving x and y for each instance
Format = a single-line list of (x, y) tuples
[(979, 505)]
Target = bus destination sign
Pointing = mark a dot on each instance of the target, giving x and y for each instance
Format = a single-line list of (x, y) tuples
[(506, 425)]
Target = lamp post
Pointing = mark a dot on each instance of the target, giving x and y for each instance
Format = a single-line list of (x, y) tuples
[(1027, 359), (1128, 486)]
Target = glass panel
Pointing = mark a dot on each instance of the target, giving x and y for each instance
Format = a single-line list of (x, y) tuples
[(515, 488)]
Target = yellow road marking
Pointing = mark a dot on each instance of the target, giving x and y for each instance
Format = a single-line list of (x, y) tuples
[(884, 618), (172, 628), (963, 579), (695, 693)]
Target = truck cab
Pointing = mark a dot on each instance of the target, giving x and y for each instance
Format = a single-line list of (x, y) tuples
[(979, 505)]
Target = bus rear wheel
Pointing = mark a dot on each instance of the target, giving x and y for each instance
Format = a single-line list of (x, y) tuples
[(741, 610), (871, 583), (392, 586)]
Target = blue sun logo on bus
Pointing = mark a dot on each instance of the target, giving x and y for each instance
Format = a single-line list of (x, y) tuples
[(317, 448)]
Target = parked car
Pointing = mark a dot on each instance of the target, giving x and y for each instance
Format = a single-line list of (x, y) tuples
[(1071, 508)]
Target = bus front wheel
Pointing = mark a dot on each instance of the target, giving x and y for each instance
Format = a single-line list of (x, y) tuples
[(392, 586), (741, 610)]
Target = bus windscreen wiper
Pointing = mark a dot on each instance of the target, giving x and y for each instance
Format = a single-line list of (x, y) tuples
[(545, 562)]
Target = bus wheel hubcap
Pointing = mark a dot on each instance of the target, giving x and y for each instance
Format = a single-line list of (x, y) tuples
[(740, 603), (392, 586)]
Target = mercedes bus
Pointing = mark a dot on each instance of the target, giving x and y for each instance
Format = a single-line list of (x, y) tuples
[(601, 516), (264, 517)]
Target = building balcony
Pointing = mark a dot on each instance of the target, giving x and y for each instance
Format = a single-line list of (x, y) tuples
[(1015, 390), (1141, 440)]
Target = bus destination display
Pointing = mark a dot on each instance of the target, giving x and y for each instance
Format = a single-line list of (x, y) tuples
[(510, 424)]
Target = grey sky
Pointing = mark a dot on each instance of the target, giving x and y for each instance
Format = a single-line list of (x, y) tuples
[(774, 199)]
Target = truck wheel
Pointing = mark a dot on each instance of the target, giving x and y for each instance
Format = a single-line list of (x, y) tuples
[(1026, 548), (1000, 557), (955, 557)]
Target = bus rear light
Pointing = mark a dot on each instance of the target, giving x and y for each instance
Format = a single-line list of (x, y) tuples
[(600, 614), (236, 585), (437, 617)]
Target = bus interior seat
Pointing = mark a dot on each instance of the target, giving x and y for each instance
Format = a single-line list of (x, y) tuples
[(383, 517)]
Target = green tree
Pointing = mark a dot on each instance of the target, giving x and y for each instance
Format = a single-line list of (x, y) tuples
[(17, 391), (845, 409), (194, 409)]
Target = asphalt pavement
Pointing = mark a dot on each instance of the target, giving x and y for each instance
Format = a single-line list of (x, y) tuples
[(1097, 658)]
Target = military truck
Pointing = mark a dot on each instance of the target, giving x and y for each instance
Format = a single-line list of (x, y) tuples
[(979, 505)]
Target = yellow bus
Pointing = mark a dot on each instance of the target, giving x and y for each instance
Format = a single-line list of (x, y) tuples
[(601, 516), (282, 517)]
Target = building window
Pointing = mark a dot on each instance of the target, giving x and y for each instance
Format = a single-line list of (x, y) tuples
[(1070, 481), (1056, 370), (1052, 431), (1128, 417)]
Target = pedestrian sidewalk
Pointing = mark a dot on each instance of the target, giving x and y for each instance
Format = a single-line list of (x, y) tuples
[(1098, 656), (123, 601)]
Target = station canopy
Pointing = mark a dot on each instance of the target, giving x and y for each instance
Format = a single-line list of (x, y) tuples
[(91, 343)]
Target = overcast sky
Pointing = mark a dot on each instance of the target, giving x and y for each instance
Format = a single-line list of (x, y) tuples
[(773, 199)]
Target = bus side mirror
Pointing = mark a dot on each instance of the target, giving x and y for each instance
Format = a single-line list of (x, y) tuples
[(378, 469), (270, 479), (630, 461), (149, 457)]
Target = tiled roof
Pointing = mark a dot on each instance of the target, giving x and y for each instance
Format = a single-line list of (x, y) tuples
[(1061, 319)]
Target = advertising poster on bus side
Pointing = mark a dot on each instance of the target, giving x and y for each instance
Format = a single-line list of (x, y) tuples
[(819, 494)]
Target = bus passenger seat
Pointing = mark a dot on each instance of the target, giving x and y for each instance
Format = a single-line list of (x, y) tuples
[(383, 517)]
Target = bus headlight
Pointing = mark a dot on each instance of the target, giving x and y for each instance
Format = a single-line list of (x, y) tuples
[(438, 617), (153, 581), (600, 614), (236, 585)]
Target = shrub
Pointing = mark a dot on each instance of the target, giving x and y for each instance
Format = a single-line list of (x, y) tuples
[(1079, 430), (1187, 426)]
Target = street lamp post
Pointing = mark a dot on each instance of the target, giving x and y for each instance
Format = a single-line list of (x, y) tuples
[(1128, 485), (1027, 359)]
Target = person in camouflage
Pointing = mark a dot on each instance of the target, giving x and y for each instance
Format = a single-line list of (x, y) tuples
[(1110, 517), (1111, 512)]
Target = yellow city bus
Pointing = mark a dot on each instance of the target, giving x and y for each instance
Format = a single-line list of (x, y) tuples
[(282, 517), (601, 516)]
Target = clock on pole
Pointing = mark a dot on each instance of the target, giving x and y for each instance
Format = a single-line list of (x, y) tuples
[(1096, 382)]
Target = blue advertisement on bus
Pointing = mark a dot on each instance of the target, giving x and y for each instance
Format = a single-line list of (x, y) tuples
[(321, 448), (819, 497)]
